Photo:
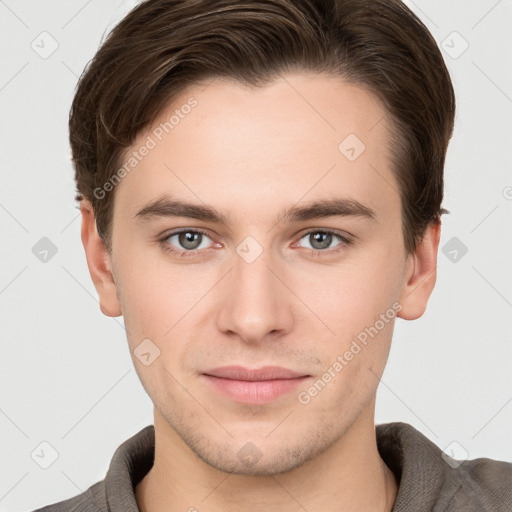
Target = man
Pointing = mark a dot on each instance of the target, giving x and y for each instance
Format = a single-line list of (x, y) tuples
[(260, 186)]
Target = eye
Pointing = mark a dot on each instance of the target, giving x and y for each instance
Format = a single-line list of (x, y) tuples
[(321, 240), (185, 241)]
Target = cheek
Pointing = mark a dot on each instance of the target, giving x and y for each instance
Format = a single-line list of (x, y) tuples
[(353, 363), (357, 307), (155, 294), (351, 296), (166, 304)]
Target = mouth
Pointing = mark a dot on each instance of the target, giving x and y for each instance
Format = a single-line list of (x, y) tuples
[(254, 386)]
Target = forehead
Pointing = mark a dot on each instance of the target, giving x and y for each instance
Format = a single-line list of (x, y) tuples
[(302, 136)]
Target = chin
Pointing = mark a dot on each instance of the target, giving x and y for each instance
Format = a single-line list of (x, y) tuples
[(263, 456), (255, 463)]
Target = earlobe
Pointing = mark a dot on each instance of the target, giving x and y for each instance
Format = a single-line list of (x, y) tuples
[(99, 262), (420, 275)]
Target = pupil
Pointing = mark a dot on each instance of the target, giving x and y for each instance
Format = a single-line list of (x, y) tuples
[(322, 240), (189, 239)]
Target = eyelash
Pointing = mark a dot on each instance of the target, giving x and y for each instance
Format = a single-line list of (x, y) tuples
[(185, 254)]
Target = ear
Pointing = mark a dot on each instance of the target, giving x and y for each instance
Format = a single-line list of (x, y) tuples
[(420, 275), (99, 262)]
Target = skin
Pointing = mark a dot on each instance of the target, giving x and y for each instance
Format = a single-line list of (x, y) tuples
[(251, 153)]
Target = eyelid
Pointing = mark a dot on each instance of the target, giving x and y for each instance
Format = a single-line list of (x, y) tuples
[(344, 235)]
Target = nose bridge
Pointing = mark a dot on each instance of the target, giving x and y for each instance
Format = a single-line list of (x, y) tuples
[(253, 304)]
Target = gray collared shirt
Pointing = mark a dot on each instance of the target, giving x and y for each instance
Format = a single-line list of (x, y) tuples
[(429, 480)]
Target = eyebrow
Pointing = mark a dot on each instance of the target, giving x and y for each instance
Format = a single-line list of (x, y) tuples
[(336, 207)]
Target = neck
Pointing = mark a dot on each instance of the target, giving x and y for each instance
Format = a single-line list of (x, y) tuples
[(349, 476)]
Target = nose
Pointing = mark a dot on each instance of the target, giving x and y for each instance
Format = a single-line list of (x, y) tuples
[(254, 304)]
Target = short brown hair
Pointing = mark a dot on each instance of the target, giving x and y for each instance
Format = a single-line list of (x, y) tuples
[(163, 46)]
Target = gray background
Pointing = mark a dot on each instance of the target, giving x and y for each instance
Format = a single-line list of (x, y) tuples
[(66, 377)]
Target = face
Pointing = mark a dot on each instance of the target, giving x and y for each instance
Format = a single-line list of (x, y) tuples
[(260, 294)]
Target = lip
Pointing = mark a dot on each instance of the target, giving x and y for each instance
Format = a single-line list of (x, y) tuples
[(254, 386)]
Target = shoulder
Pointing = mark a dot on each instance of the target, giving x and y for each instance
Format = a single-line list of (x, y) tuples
[(430, 480), (483, 483), (131, 461), (91, 500)]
